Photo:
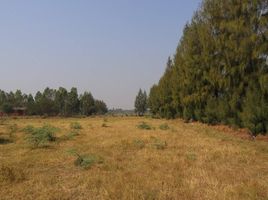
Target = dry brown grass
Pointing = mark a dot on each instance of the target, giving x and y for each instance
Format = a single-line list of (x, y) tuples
[(196, 162)]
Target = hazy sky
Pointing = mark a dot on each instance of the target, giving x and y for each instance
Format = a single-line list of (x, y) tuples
[(109, 47)]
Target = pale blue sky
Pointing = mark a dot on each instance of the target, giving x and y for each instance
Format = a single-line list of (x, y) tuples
[(109, 47)]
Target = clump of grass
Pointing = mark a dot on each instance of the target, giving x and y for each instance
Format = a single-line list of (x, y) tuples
[(11, 174), (41, 137), (144, 126), (75, 125), (139, 143), (164, 127), (159, 144), (85, 161)]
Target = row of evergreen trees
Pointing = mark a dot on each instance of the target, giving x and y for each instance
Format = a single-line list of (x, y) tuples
[(52, 102), (219, 73)]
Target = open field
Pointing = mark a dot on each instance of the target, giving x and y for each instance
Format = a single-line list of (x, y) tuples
[(171, 160)]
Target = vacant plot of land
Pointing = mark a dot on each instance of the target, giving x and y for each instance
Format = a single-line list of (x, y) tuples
[(127, 158)]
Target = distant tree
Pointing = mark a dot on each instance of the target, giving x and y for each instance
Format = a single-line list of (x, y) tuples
[(61, 101), (87, 106), (141, 103), (7, 108), (72, 106), (100, 107)]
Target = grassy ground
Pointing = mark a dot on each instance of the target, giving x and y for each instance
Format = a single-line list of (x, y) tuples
[(170, 160)]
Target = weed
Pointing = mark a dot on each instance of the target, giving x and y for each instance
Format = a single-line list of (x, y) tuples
[(144, 126), (75, 125), (85, 161), (164, 127), (41, 137)]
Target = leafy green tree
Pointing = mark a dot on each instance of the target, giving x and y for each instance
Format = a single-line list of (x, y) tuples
[(87, 104), (219, 73), (100, 107), (141, 103), (72, 105)]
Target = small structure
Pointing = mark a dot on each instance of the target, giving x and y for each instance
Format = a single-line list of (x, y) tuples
[(19, 111)]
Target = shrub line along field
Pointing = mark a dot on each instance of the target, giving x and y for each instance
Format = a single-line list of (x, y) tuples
[(127, 158)]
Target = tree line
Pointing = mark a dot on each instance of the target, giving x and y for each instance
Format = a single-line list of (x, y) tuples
[(219, 73), (52, 102)]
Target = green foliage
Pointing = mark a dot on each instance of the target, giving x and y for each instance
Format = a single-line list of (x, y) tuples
[(219, 73), (86, 161), (41, 137), (144, 126), (52, 102), (141, 103), (7, 108), (164, 127), (75, 125)]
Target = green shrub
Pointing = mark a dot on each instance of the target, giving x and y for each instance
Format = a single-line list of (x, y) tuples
[(41, 137), (75, 125), (144, 126), (85, 161), (28, 129), (164, 127)]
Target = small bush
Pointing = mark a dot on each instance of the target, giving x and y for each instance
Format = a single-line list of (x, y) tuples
[(75, 125), (144, 126), (41, 137), (86, 161), (164, 127)]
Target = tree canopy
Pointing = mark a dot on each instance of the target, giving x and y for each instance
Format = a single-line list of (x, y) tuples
[(53, 102), (219, 73), (141, 103)]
